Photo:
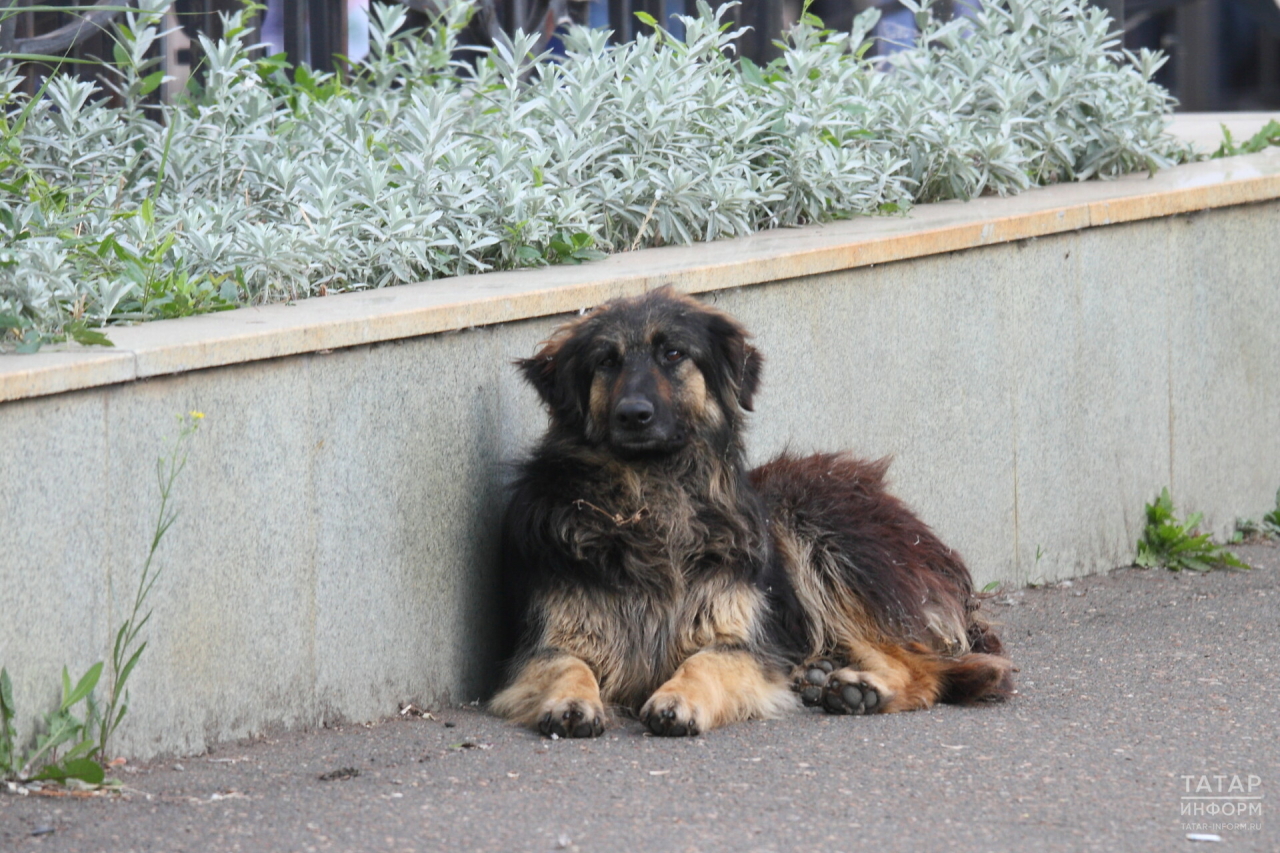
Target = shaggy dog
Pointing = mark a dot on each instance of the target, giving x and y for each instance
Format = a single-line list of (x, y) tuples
[(646, 566)]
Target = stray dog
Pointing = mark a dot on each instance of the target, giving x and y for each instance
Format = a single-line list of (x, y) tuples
[(646, 567)]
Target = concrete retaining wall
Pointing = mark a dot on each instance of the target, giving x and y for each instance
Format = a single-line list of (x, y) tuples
[(336, 544)]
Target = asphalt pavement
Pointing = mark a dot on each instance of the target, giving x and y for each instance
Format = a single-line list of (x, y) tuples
[(1146, 714)]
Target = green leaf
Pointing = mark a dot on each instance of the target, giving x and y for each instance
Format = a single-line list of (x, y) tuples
[(6, 695), (646, 18), (85, 769), (118, 652), (751, 72), (89, 337), (1195, 564), (151, 82), (83, 688), (128, 667)]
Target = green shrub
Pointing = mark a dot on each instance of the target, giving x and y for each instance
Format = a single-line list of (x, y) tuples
[(262, 187), (1178, 545)]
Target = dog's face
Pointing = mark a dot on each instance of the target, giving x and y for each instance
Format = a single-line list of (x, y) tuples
[(645, 376)]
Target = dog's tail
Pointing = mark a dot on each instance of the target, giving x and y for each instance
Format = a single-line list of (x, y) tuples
[(976, 677)]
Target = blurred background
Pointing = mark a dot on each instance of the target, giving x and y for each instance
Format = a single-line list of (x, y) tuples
[(1224, 55)]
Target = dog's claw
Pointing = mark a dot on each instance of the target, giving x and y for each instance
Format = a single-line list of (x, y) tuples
[(667, 723), (572, 722)]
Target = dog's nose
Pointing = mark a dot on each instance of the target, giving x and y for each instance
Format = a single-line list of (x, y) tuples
[(633, 412)]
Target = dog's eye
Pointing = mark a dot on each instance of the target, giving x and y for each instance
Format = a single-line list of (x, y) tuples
[(671, 356), (610, 362)]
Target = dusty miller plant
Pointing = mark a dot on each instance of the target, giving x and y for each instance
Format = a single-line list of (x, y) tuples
[(265, 187)]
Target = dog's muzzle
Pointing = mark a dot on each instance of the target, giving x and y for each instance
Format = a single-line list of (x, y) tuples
[(638, 426)]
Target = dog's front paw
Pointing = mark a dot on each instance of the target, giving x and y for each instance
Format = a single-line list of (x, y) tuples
[(671, 715), (572, 718), (848, 691)]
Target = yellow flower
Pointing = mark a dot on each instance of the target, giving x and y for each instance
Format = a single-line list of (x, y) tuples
[(195, 416)]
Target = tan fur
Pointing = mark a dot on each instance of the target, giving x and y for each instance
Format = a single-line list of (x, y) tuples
[(946, 625), (691, 395), (714, 687), (718, 615), (551, 685), (598, 405), (631, 642), (907, 680), (839, 622)]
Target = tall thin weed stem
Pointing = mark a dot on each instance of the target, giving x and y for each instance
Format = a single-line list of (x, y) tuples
[(125, 654)]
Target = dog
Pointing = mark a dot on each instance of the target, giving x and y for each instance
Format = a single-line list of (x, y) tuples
[(645, 567)]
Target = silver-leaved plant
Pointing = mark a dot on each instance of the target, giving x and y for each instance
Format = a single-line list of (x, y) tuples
[(259, 187)]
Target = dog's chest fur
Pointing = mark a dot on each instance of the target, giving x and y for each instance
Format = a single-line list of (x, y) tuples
[(677, 571)]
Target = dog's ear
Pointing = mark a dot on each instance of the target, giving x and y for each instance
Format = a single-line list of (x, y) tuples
[(740, 361), (540, 372), (752, 364), (553, 373)]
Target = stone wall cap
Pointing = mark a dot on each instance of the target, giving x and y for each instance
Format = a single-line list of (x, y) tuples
[(366, 317)]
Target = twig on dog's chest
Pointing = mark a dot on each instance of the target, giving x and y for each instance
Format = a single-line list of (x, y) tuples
[(616, 518)]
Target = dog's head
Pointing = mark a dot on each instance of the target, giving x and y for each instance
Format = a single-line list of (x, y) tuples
[(645, 376)]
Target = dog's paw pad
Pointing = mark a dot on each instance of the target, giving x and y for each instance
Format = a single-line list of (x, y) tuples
[(811, 679), (572, 718), (851, 695)]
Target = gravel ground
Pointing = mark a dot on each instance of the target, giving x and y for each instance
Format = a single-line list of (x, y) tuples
[(1137, 690)]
